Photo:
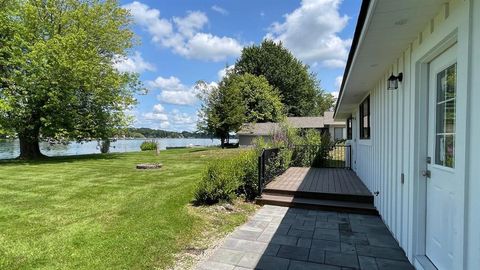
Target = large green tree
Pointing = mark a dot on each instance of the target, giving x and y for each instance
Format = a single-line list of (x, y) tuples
[(222, 111), (237, 99), (56, 74), (262, 102), (299, 89)]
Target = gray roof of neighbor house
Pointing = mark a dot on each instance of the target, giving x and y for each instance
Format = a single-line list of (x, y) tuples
[(258, 128), (296, 122), (306, 122)]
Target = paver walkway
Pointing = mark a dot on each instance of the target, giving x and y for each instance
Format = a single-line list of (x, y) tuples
[(282, 238)]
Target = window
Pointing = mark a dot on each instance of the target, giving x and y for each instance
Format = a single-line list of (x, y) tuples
[(338, 133), (445, 117), (349, 128), (365, 119)]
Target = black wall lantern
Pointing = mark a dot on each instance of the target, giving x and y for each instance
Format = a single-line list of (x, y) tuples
[(393, 81)]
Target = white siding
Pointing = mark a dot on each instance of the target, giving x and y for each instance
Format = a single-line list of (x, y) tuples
[(473, 173), (381, 161)]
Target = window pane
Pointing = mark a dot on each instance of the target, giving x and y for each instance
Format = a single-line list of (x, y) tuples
[(451, 82), (365, 119), (338, 133), (445, 117), (445, 150)]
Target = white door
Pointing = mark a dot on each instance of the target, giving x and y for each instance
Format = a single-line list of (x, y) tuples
[(442, 133)]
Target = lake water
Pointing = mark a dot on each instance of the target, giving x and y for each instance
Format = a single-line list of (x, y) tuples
[(11, 149)]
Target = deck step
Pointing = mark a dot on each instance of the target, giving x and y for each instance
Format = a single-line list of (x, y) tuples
[(321, 195), (316, 204)]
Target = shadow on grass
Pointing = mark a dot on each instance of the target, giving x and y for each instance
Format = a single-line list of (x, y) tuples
[(201, 149)]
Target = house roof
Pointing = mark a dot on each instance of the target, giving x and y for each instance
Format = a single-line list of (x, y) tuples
[(305, 122), (384, 29), (295, 122), (258, 128)]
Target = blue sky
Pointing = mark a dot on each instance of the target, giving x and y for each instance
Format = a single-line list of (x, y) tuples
[(184, 41)]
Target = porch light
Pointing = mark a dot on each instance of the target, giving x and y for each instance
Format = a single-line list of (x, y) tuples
[(393, 81)]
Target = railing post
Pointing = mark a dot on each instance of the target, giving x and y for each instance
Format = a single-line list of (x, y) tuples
[(261, 166), (350, 156), (260, 175)]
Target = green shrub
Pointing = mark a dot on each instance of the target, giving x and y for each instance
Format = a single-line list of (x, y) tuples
[(220, 182), (148, 145), (248, 163), (224, 179)]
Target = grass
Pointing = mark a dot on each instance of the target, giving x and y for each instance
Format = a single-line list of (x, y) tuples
[(99, 212)]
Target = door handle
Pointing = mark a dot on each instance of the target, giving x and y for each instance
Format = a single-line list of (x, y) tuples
[(427, 173)]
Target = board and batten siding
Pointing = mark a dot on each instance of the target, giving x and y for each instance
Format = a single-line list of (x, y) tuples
[(473, 140), (387, 162), (381, 160)]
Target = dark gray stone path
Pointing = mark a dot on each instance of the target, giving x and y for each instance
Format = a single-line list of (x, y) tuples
[(282, 238)]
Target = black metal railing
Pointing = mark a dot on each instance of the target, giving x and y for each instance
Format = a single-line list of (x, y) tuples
[(322, 156), (270, 162), (268, 167)]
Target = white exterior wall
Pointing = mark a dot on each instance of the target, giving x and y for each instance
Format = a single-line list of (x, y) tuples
[(393, 147), (473, 152)]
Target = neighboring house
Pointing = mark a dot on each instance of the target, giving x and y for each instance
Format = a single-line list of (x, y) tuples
[(417, 146), (252, 131), (326, 124)]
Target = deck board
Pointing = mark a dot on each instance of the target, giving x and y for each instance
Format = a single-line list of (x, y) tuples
[(320, 180)]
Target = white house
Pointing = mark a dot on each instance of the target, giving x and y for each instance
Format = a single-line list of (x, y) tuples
[(418, 145)]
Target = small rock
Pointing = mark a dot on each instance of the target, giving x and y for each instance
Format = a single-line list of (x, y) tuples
[(219, 208), (147, 166), (229, 207)]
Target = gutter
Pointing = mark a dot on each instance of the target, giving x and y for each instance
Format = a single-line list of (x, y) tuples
[(362, 16)]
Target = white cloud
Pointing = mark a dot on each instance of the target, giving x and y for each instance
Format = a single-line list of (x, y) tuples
[(159, 118), (156, 116), (173, 91), (184, 36), (220, 10), (334, 94), (334, 63), (191, 24), (222, 72), (149, 18), (208, 46), (179, 118), (311, 33), (134, 63), (178, 97), (167, 84), (338, 82), (158, 108)]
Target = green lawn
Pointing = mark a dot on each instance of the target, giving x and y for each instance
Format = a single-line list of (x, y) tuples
[(99, 212)]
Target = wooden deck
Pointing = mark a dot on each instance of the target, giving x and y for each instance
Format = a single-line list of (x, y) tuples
[(320, 180), (334, 189)]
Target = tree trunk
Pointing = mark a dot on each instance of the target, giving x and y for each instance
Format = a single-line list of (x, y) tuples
[(222, 142), (29, 147)]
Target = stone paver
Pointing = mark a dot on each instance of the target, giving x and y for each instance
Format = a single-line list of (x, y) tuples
[(282, 238)]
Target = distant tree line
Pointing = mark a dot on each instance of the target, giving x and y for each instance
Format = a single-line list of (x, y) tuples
[(136, 133), (159, 133)]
